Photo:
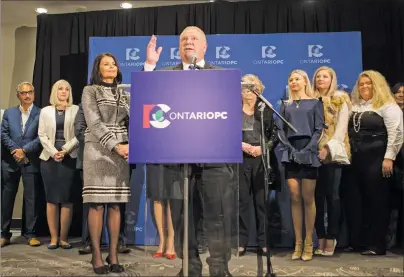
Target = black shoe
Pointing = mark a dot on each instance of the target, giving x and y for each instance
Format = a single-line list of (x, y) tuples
[(116, 268), (122, 249), (373, 253), (193, 274), (85, 250), (100, 270), (219, 272)]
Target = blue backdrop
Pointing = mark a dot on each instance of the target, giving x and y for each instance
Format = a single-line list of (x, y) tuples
[(270, 56)]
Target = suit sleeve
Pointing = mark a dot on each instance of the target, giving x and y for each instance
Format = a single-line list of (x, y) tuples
[(5, 134), (35, 145), (43, 137), (319, 125), (93, 118), (281, 132), (80, 124)]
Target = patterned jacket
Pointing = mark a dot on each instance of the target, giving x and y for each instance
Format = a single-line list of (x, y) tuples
[(106, 114)]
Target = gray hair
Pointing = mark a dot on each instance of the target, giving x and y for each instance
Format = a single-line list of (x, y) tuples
[(18, 88)]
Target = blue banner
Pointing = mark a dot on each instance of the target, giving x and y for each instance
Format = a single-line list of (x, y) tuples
[(270, 56), (177, 116)]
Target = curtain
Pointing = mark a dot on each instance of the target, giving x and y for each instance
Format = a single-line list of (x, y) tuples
[(62, 39)]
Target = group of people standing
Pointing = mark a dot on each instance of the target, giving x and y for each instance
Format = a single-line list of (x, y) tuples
[(337, 135), (343, 154)]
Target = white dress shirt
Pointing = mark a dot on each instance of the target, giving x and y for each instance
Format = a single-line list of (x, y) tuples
[(393, 120), (25, 116), (149, 67), (336, 144)]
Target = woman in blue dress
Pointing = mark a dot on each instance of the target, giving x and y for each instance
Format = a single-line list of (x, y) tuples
[(300, 156)]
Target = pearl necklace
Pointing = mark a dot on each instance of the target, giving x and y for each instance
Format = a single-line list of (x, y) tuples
[(357, 122)]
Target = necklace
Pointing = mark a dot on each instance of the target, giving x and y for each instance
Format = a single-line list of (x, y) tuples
[(60, 112), (114, 94), (298, 103), (357, 122)]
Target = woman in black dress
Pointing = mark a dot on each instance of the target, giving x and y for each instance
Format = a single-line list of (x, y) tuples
[(58, 165)]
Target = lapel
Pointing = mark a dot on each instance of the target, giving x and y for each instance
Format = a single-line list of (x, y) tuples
[(31, 117), (207, 66), (19, 119), (179, 66), (67, 119)]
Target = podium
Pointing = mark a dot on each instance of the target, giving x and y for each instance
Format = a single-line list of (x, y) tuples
[(186, 126)]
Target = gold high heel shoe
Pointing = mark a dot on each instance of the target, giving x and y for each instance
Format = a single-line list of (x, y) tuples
[(307, 252), (298, 251)]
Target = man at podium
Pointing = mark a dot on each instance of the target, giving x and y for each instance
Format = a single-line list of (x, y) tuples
[(211, 184)]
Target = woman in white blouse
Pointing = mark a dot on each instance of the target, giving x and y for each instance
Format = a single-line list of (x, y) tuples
[(376, 136), (334, 152), (58, 162)]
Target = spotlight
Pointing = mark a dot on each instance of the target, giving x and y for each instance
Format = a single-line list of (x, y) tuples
[(41, 10), (126, 5)]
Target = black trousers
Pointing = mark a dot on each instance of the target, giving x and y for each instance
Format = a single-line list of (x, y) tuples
[(85, 235), (328, 190), (216, 187), (10, 181), (252, 185), (366, 197)]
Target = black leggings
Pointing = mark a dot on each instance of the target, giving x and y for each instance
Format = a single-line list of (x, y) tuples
[(327, 189)]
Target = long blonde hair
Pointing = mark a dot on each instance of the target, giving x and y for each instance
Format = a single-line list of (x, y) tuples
[(333, 86), (381, 90), (54, 100), (308, 90)]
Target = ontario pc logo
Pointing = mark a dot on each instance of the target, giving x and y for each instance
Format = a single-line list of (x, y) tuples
[(153, 115)]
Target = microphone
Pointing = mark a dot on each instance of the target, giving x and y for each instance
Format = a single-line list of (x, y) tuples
[(261, 106), (248, 85), (252, 87), (193, 59)]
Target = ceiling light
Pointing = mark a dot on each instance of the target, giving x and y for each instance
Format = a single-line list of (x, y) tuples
[(41, 10), (126, 5)]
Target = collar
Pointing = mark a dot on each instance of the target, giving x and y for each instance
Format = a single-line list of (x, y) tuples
[(201, 64), (29, 109), (364, 102)]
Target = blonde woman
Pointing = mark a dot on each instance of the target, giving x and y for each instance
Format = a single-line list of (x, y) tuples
[(300, 156), (376, 136), (58, 162), (334, 152)]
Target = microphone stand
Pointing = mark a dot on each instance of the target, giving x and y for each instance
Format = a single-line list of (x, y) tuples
[(267, 170), (269, 105)]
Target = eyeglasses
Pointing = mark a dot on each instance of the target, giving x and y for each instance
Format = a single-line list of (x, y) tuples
[(30, 92)]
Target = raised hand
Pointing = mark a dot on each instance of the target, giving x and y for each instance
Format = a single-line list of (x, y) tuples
[(153, 55)]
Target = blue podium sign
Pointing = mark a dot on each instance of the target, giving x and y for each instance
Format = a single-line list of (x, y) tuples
[(188, 116)]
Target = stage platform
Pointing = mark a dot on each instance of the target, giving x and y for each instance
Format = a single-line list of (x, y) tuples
[(19, 259)]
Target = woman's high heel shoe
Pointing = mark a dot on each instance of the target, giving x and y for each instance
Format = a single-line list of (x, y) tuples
[(241, 251), (158, 255), (100, 270), (116, 268), (171, 256), (298, 251), (307, 252), (330, 253)]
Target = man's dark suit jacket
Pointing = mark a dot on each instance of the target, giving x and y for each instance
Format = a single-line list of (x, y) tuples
[(80, 127), (13, 138)]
